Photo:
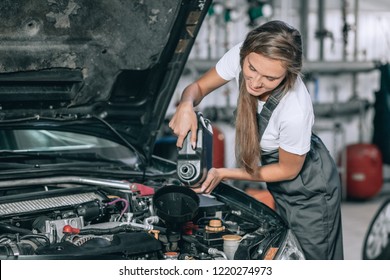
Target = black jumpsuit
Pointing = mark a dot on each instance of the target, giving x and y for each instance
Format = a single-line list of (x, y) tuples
[(310, 203)]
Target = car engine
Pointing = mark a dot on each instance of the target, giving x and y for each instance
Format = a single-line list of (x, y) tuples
[(91, 218)]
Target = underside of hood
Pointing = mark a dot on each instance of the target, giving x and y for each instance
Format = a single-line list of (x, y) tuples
[(116, 60)]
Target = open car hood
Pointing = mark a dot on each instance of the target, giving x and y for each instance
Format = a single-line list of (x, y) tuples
[(116, 60)]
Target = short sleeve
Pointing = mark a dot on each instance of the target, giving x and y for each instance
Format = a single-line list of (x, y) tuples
[(295, 134), (291, 123), (228, 67)]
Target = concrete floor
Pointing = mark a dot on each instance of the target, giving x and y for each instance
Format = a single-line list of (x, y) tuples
[(356, 218)]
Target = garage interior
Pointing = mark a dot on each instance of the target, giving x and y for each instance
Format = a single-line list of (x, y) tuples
[(346, 70), (68, 82)]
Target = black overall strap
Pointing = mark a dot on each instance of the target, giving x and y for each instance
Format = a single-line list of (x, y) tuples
[(269, 106)]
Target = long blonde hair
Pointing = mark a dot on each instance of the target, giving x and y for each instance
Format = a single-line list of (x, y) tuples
[(275, 40)]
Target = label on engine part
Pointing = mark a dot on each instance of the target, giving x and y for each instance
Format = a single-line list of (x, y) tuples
[(358, 177)]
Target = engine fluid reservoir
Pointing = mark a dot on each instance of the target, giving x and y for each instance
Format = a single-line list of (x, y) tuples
[(364, 171)]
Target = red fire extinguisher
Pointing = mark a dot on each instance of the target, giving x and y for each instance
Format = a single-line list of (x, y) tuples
[(218, 148)]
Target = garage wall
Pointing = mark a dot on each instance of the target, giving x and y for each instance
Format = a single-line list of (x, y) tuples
[(338, 87)]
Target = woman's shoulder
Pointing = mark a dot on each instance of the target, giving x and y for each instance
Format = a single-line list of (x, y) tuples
[(299, 85), (228, 67), (299, 92), (233, 53), (297, 99)]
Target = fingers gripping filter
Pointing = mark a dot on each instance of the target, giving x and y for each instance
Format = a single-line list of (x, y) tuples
[(193, 164), (175, 204)]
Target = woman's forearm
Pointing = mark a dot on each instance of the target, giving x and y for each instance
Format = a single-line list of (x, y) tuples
[(287, 168), (192, 94), (266, 173)]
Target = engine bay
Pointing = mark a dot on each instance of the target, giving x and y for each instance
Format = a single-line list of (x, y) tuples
[(91, 218)]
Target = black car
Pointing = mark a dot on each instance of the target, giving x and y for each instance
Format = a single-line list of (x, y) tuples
[(376, 244), (84, 88)]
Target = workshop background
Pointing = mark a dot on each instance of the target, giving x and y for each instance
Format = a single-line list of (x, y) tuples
[(346, 56)]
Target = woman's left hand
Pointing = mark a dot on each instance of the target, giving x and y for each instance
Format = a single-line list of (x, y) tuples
[(212, 180)]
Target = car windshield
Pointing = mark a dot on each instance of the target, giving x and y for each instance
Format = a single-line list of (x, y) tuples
[(46, 141)]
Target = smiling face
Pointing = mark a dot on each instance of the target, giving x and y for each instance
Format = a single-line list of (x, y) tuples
[(262, 74)]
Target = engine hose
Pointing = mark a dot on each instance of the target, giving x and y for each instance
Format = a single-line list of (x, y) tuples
[(140, 213), (16, 249), (122, 228), (193, 240), (214, 251), (36, 236), (97, 231), (12, 229), (151, 220)]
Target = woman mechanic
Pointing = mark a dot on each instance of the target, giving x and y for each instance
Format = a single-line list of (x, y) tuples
[(274, 110)]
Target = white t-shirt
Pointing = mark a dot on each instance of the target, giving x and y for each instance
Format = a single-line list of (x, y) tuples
[(290, 125)]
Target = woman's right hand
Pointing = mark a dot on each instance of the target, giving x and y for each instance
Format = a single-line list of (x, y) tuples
[(183, 121)]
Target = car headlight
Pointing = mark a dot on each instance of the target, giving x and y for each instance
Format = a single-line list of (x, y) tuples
[(290, 248)]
